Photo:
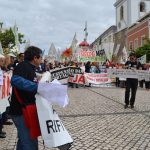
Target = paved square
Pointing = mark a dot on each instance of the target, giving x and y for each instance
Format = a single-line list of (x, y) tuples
[(97, 120)]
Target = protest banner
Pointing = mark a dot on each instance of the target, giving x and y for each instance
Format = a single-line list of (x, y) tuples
[(91, 55), (78, 79), (4, 91), (65, 73), (1, 77), (129, 73), (142, 59), (53, 131), (5, 87), (94, 78)]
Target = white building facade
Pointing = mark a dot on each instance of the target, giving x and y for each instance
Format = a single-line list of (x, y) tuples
[(129, 11), (105, 42)]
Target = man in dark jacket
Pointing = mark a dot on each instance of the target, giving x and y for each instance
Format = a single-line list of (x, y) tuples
[(24, 80), (131, 83), (88, 67)]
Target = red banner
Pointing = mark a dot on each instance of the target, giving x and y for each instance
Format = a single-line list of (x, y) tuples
[(5, 88)]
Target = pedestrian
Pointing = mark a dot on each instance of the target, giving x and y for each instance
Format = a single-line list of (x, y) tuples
[(24, 87), (131, 83)]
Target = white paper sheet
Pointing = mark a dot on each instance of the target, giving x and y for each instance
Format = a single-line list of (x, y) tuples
[(54, 93)]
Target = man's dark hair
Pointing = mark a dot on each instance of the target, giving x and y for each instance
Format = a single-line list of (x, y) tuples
[(132, 54), (31, 52), (21, 54)]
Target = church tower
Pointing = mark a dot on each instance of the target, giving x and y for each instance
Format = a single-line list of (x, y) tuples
[(129, 11)]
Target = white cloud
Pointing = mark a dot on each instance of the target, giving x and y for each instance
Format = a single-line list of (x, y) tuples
[(47, 21)]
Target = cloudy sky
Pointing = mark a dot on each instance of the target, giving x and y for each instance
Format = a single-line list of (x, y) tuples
[(47, 21)]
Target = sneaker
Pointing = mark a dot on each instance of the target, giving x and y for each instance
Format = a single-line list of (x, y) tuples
[(125, 106), (132, 106), (2, 135)]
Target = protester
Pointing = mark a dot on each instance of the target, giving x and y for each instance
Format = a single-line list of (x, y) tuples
[(2, 134), (117, 78), (6, 63), (24, 87), (19, 60), (88, 67), (131, 84), (11, 66), (97, 68), (45, 66), (147, 80), (74, 64)]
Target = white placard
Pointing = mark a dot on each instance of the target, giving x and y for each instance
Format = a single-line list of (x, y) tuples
[(129, 73)]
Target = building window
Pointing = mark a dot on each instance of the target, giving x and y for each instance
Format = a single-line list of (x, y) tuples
[(135, 43), (142, 7), (121, 13), (142, 40), (131, 45)]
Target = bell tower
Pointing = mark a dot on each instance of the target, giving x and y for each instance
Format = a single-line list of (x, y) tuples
[(129, 12)]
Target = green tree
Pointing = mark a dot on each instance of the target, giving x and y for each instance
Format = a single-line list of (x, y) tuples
[(145, 49), (7, 38)]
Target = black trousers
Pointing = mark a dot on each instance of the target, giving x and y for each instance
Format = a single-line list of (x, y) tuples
[(131, 86), (147, 84), (1, 123), (117, 82)]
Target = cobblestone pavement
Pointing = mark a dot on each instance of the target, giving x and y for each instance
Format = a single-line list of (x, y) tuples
[(97, 120)]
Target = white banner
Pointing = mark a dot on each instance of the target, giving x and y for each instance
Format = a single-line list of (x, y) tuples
[(52, 129), (94, 78), (78, 79), (129, 73), (142, 59), (5, 90)]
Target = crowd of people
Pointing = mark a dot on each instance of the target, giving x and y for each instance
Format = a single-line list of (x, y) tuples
[(130, 84), (24, 81)]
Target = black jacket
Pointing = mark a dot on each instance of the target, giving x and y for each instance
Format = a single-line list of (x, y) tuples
[(23, 79)]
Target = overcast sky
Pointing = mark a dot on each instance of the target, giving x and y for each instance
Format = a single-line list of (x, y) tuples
[(47, 21)]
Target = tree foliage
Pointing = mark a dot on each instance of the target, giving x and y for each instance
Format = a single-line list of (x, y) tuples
[(7, 38), (145, 49)]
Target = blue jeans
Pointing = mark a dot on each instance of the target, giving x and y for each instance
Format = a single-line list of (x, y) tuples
[(24, 140)]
